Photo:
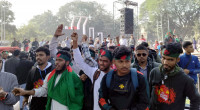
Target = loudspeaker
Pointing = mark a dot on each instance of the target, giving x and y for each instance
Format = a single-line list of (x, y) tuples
[(126, 24)]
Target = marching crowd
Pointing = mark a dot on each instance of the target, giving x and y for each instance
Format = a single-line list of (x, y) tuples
[(89, 75)]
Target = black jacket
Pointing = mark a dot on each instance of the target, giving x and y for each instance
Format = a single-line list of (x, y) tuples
[(35, 80), (11, 65), (124, 97), (170, 94), (150, 66), (88, 93), (22, 70)]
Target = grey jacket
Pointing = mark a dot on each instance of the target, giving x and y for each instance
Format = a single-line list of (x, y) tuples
[(132, 42), (8, 81)]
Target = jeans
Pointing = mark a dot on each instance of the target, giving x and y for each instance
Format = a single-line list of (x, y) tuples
[(22, 98)]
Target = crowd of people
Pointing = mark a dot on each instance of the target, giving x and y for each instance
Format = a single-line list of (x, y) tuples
[(117, 74)]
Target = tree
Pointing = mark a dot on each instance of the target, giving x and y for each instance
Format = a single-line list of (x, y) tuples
[(101, 20), (29, 31), (9, 18), (181, 15), (40, 26), (46, 22)]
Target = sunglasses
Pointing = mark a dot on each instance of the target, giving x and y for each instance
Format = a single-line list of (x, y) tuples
[(143, 54)]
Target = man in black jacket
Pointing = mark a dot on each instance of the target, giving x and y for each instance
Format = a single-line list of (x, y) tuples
[(121, 94), (37, 75), (169, 85), (35, 43), (152, 53), (12, 63), (142, 62), (22, 71)]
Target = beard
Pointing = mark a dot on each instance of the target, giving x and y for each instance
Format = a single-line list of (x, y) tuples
[(39, 62), (169, 69), (60, 71), (105, 69)]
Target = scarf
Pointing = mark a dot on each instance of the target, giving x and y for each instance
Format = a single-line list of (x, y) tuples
[(172, 73), (64, 91)]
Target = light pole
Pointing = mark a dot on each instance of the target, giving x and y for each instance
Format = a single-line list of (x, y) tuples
[(4, 22), (1, 22)]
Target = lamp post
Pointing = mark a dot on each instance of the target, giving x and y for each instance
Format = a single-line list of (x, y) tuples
[(4, 22), (1, 22)]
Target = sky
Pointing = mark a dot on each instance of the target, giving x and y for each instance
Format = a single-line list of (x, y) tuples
[(24, 10)]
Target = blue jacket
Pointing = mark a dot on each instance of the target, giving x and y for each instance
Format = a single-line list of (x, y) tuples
[(193, 67)]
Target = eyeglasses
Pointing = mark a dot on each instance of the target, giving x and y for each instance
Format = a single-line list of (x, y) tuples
[(143, 54)]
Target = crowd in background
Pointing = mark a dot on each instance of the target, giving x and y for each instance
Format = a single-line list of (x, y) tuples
[(116, 74)]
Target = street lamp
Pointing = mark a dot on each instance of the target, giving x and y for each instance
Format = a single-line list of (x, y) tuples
[(4, 22), (1, 22)]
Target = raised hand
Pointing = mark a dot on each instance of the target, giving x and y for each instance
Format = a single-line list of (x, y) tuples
[(74, 36), (19, 92), (59, 31)]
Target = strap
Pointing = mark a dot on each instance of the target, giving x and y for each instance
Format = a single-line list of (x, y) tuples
[(32, 72), (188, 62), (95, 77), (134, 78), (108, 78)]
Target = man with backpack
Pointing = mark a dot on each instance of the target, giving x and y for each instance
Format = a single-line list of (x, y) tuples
[(123, 88), (95, 74), (169, 85)]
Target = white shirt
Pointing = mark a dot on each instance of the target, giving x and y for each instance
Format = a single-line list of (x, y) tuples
[(53, 47), (97, 46), (42, 91), (68, 43), (63, 44), (123, 42), (89, 71), (3, 65), (110, 44), (42, 43)]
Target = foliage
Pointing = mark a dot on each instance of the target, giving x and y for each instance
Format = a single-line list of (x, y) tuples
[(101, 20), (5, 9), (181, 15)]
